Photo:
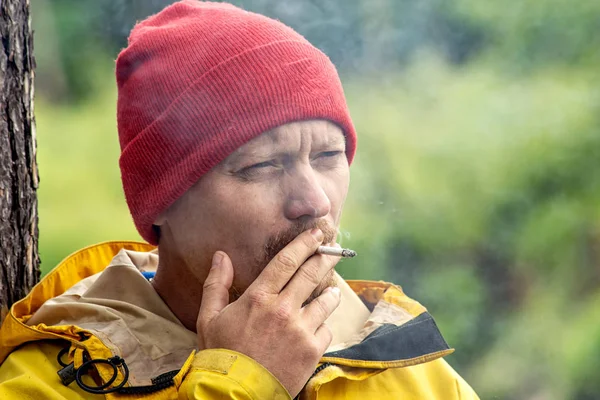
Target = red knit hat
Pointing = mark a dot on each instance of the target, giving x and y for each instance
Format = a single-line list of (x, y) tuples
[(200, 79)]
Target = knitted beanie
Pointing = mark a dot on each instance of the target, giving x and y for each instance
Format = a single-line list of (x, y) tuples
[(200, 79)]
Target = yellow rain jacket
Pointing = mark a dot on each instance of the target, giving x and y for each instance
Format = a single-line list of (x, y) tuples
[(95, 322)]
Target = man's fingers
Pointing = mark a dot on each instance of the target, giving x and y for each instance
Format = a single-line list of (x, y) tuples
[(324, 337), (215, 294), (308, 277), (317, 311), (285, 264)]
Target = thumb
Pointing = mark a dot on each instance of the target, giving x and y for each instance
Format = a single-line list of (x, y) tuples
[(215, 293)]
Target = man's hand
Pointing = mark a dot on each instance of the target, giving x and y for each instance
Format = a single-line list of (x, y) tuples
[(268, 322)]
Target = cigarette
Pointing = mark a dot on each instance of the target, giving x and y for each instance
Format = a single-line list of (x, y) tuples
[(336, 251)]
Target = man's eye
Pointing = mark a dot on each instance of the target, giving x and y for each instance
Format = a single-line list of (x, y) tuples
[(330, 153), (255, 169), (325, 156), (260, 165)]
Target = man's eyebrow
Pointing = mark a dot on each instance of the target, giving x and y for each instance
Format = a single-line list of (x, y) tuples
[(241, 154), (256, 149), (335, 140)]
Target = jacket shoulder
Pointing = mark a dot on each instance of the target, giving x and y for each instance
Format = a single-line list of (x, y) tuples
[(433, 380), (440, 378)]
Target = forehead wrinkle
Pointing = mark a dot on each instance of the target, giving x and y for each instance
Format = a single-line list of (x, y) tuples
[(313, 133), (267, 144)]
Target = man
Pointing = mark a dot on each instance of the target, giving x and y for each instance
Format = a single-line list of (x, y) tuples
[(236, 144)]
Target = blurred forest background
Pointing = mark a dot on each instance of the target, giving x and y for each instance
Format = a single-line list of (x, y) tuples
[(477, 181)]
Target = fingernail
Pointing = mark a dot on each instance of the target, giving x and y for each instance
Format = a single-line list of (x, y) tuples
[(317, 233), (336, 290), (217, 258)]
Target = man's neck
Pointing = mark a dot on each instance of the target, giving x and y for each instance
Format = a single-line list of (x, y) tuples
[(174, 282)]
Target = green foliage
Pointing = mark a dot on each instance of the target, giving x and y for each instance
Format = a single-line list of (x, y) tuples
[(530, 33), (80, 197)]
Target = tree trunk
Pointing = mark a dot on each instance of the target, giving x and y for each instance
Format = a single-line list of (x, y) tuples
[(19, 260)]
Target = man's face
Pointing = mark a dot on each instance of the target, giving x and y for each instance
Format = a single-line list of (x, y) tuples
[(259, 198)]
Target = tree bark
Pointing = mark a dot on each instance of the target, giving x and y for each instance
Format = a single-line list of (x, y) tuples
[(19, 260)]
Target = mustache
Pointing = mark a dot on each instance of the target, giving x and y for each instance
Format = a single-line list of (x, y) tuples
[(277, 242)]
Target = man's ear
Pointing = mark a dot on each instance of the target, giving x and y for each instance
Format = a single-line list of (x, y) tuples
[(162, 217), (158, 222)]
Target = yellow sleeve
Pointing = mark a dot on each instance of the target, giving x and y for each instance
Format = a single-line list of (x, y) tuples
[(226, 374), (29, 373), (463, 389)]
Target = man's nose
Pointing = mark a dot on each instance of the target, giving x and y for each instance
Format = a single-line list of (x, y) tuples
[(306, 196)]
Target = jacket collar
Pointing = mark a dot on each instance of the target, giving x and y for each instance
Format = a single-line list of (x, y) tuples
[(398, 333)]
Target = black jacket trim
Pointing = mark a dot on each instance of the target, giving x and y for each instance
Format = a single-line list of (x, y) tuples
[(418, 337)]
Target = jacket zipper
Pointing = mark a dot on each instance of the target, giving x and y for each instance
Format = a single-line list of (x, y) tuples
[(319, 369)]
